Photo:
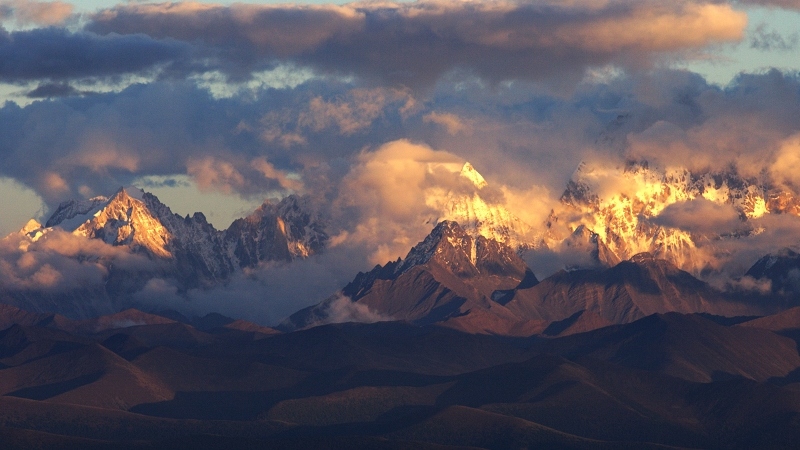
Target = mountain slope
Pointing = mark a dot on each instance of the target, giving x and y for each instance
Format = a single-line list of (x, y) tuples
[(686, 346), (448, 277), (781, 269), (626, 292)]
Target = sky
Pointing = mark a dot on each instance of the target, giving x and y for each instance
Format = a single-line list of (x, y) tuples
[(215, 107)]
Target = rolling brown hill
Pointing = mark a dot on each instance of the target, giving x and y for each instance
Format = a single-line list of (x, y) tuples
[(685, 346), (660, 382)]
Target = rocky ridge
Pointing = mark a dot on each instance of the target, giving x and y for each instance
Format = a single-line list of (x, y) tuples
[(198, 253), (622, 221)]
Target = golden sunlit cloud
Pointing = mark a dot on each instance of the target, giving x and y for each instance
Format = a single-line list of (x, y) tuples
[(27, 12)]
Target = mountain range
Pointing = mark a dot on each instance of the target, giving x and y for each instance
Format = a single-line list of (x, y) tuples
[(469, 272), (456, 345)]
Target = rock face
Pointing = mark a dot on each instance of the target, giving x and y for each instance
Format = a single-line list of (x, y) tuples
[(481, 285), (189, 251), (276, 232), (620, 208)]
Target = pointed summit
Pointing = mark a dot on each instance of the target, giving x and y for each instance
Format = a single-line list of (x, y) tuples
[(479, 214), (471, 174), (449, 245), (282, 231), (32, 225), (125, 220), (448, 277)]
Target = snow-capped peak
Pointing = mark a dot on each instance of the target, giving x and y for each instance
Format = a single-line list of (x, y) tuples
[(32, 225), (72, 213), (133, 192), (125, 220), (471, 174), (477, 215), (622, 205)]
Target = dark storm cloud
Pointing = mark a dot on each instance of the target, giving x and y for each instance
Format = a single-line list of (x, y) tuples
[(57, 54), (415, 43)]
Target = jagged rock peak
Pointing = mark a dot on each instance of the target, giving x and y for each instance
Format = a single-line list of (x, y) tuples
[(125, 219), (452, 247), (289, 229), (32, 225), (446, 233)]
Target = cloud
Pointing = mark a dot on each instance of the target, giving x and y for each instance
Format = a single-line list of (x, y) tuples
[(354, 111), (766, 40), (341, 309), (60, 262), (785, 4), (386, 198), (414, 44), (26, 12), (699, 216), (743, 125), (56, 54), (451, 122), (266, 294), (49, 90), (785, 167), (238, 176)]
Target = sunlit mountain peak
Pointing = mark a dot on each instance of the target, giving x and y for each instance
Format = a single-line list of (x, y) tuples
[(478, 210), (626, 206), (471, 174)]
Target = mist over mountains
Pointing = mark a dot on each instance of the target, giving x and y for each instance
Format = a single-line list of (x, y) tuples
[(104, 254)]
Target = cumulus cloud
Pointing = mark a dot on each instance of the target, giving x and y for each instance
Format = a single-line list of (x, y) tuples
[(60, 261), (415, 43), (785, 167), (57, 54), (248, 178), (451, 122), (27, 12), (699, 216), (387, 194), (341, 309), (354, 111), (744, 125)]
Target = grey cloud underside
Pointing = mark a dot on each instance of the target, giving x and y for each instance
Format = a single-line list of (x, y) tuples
[(416, 43), (518, 136), (57, 54)]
